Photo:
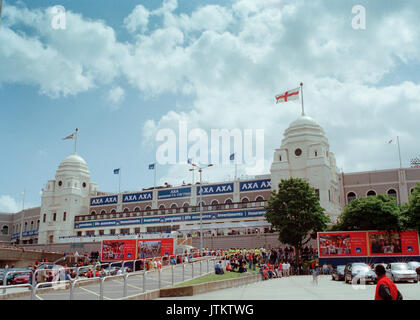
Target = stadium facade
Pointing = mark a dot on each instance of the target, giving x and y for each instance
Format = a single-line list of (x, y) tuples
[(74, 210)]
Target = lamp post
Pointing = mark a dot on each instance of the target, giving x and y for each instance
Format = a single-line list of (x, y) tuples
[(200, 169)]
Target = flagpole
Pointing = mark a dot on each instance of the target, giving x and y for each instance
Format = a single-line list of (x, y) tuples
[(301, 93), (155, 174), (399, 151), (119, 178), (75, 141)]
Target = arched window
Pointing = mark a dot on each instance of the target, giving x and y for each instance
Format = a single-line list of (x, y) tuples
[(228, 201), (148, 208), (392, 193), (371, 193), (136, 209), (26, 226), (162, 209), (104, 212), (351, 196), (245, 202), (32, 225), (113, 211), (412, 191), (5, 230), (126, 210), (93, 213), (214, 203), (259, 198), (186, 206)]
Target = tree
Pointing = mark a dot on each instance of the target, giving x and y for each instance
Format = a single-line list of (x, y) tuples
[(412, 212), (379, 212), (294, 211)]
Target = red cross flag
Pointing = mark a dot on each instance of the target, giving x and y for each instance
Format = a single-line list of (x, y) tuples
[(288, 96)]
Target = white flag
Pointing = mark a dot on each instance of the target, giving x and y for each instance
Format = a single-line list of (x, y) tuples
[(289, 95)]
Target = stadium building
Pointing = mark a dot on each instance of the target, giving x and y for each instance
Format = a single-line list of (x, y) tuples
[(74, 210)]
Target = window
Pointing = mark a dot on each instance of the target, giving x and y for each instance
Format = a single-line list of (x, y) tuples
[(112, 231), (32, 225), (126, 210), (279, 157), (136, 230), (93, 213), (5, 230), (245, 202), (329, 195), (316, 153), (351, 196), (55, 216), (136, 209), (37, 225), (60, 183), (103, 212), (101, 232), (113, 211), (84, 184), (26, 226), (392, 193), (298, 152), (79, 233), (371, 193), (124, 231), (90, 233), (44, 218), (64, 216)]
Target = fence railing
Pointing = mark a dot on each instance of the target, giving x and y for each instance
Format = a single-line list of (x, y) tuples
[(145, 274)]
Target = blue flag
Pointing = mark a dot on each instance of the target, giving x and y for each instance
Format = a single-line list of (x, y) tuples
[(232, 156), (151, 166), (117, 171)]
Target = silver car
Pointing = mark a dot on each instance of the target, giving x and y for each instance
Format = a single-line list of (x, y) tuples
[(399, 271)]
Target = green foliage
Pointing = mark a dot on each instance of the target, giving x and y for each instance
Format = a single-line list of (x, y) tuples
[(294, 211), (412, 211), (372, 213)]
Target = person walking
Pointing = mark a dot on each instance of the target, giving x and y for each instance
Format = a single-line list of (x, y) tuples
[(385, 288)]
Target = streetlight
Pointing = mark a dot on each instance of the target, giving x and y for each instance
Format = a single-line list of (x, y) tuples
[(200, 169)]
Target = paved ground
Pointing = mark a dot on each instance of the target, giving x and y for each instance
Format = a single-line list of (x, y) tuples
[(302, 288), (113, 289)]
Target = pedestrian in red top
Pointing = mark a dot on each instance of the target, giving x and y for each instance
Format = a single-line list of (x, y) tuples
[(385, 288)]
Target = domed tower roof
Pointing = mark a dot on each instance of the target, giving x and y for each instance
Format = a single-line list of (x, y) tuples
[(304, 127), (73, 165)]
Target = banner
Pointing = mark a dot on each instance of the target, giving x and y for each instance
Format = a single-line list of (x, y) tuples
[(104, 200), (137, 197), (255, 185), (215, 189), (155, 248), (117, 250), (367, 244), (403, 243), (174, 193), (342, 244)]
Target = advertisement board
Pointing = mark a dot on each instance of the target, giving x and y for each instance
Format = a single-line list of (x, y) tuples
[(117, 250), (368, 244), (342, 244), (153, 248), (382, 243)]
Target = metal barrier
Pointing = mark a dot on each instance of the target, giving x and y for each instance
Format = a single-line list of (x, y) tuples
[(125, 275), (23, 285), (12, 272)]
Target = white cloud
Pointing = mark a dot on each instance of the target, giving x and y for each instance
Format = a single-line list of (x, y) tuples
[(138, 19), (8, 204), (116, 96)]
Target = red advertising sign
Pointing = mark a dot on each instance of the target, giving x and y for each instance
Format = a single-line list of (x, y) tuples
[(117, 250), (342, 244), (152, 248), (382, 243)]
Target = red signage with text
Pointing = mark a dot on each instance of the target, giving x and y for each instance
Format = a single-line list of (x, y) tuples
[(117, 250), (342, 244), (154, 248), (382, 243)]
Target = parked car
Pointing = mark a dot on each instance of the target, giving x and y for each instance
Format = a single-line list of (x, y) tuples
[(360, 271), (399, 271), (21, 278), (413, 265), (338, 273), (376, 264)]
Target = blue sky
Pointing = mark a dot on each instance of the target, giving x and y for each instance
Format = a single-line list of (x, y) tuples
[(122, 70)]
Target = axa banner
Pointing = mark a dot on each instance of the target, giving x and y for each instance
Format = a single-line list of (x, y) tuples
[(171, 219), (137, 197), (215, 189), (174, 193), (101, 201), (255, 185)]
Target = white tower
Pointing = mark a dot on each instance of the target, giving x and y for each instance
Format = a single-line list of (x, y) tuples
[(304, 153), (64, 198)]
